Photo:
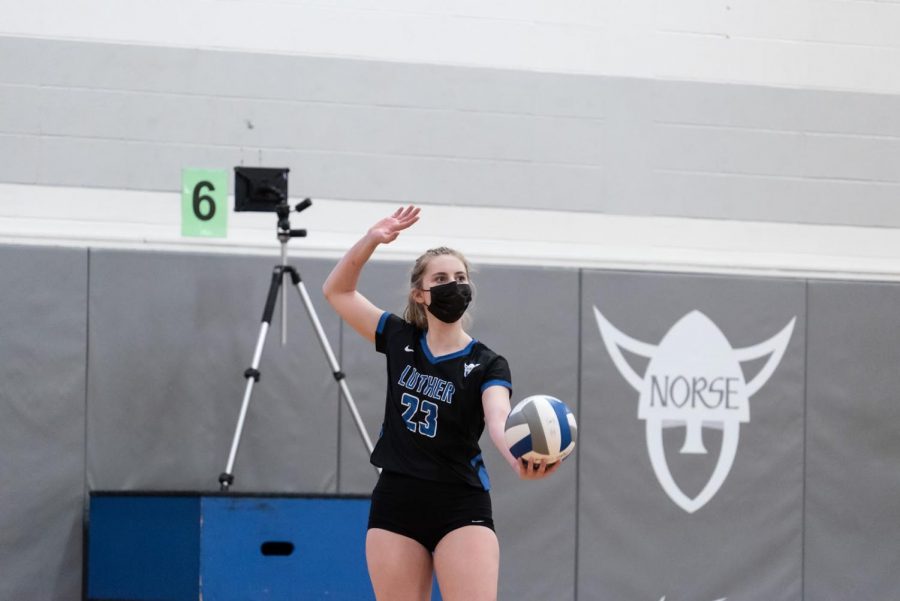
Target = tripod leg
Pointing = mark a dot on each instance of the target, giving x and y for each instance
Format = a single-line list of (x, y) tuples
[(284, 315), (226, 478), (332, 360)]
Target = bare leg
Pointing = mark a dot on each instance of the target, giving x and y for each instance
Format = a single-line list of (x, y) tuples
[(467, 562), (400, 568)]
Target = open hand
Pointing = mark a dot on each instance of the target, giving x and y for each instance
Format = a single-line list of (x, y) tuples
[(387, 229)]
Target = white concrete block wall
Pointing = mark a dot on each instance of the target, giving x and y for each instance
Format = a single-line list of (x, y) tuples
[(833, 44), (721, 162)]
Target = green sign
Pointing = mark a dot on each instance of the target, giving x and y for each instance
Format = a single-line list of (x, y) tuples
[(204, 203)]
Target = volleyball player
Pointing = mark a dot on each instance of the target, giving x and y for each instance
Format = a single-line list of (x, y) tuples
[(431, 509)]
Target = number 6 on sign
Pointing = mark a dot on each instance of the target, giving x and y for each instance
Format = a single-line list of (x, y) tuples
[(204, 196)]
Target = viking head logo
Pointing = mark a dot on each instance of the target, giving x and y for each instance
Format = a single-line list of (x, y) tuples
[(694, 379)]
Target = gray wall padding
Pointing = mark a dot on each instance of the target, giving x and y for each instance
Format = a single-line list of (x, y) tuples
[(853, 442), (42, 404), (135, 361), (171, 336), (634, 541)]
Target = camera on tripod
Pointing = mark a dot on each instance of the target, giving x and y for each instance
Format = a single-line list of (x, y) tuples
[(265, 190)]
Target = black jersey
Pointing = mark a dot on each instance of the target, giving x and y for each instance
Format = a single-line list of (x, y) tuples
[(433, 416)]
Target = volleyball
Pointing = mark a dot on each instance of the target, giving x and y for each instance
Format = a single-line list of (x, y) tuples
[(540, 427)]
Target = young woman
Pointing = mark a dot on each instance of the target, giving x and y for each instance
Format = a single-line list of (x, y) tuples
[(431, 509)]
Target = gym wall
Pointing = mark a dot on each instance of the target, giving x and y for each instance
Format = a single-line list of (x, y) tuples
[(122, 370), (649, 159)]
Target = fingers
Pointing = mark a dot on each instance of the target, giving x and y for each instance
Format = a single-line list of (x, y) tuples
[(408, 215), (405, 220), (530, 469), (388, 229), (404, 217)]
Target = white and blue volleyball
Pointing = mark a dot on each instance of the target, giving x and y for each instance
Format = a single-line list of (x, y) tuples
[(541, 427)]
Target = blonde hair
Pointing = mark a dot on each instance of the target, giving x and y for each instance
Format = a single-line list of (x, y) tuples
[(414, 312)]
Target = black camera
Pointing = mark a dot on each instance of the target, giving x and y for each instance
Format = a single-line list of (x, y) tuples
[(265, 190), (260, 189)]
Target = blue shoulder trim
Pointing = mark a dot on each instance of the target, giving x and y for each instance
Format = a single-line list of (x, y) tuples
[(381, 322), (490, 383)]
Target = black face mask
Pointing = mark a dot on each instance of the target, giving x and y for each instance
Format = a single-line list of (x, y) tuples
[(449, 301)]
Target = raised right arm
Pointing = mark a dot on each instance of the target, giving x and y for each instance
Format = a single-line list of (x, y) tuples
[(340, 286)]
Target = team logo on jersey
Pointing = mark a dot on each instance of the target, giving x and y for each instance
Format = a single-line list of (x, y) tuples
[(468, 367), (694, 379)]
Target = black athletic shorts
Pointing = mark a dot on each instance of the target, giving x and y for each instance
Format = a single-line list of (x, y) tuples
[(426, 511)]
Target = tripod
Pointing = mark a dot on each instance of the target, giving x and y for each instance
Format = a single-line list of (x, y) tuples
[(252, 374)]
